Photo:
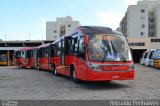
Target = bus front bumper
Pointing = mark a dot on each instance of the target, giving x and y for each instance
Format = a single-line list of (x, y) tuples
[(105, 76)]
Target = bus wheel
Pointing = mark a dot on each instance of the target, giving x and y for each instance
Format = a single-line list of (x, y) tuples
[(108, 81), (73, 76), (20, 65), (55, 71), (38, 67)]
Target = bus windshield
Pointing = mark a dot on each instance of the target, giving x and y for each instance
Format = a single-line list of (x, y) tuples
[(108, 47)]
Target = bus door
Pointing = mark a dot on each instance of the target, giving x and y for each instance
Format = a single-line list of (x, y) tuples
[(26, 56), (62, 53), (34, 57), (37, 56), (49, 57)]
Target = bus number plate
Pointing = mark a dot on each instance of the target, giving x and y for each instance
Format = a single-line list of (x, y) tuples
[(108, 68)]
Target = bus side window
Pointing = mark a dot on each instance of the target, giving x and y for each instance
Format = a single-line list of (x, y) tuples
[(23, 54), (81, 49), (81, 45), (63, 50), (17, 54), (52, 50), (38, 53), (59, 49), (46, 52), (41, 52), (74, 46), (29, 54)]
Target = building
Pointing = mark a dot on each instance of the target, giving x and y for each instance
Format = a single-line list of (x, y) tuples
[(56, 29), (141, 26)]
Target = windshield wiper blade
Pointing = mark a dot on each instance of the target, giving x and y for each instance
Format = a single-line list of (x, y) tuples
[(118, 52), (104, 58)]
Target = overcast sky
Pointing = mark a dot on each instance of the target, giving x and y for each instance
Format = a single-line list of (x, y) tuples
[(21, 18)]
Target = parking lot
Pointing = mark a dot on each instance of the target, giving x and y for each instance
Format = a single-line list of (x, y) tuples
[(31, 84)]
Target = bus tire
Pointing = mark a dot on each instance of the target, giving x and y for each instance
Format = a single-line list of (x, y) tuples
[(38, 67), (20, 65), (55, 71), (108, 81), (73, 75)]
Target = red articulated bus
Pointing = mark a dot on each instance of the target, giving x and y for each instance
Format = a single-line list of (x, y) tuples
[(93, 53), (44, 57), (24, 57)]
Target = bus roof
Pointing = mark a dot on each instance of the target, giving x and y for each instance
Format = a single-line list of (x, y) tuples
[(44, 45), (90, 29), (25, 48)]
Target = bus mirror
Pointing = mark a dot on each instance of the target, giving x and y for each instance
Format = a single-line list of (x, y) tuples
[(85, 39)]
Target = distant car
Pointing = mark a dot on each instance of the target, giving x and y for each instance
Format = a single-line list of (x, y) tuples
[(142, 58), (147, 58), (152, 57)]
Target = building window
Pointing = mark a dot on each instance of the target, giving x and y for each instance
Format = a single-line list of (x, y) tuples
[(142, 10), (55, 31), (55, 37), (143, 44), (152, 20), (142, 25), (142, 33), (152, 40), (132, 44), (69, 25), (137, 44), (152, 27), (155, 40), (142, 18)]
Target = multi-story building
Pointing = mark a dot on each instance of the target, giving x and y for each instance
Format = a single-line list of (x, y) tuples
[(141, 26), (56, 29)]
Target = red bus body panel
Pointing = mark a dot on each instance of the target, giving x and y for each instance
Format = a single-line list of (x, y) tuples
[(83, 72), (43, 63)]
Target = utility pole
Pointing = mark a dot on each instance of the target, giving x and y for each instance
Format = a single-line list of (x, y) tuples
[(5, 39), (29, 36), (5, 36)]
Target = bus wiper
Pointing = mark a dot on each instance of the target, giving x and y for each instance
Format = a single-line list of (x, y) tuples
[(104, 58), (118, 52), (105, 52)]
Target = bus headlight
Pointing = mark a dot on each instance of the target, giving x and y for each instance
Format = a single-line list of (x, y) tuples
[(94, 68), (131, 68)]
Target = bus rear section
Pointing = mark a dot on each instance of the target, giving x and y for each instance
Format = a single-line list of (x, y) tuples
[(94, 54), (23, 57)]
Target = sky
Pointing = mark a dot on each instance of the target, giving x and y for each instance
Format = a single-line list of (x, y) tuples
[(25, 19)]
